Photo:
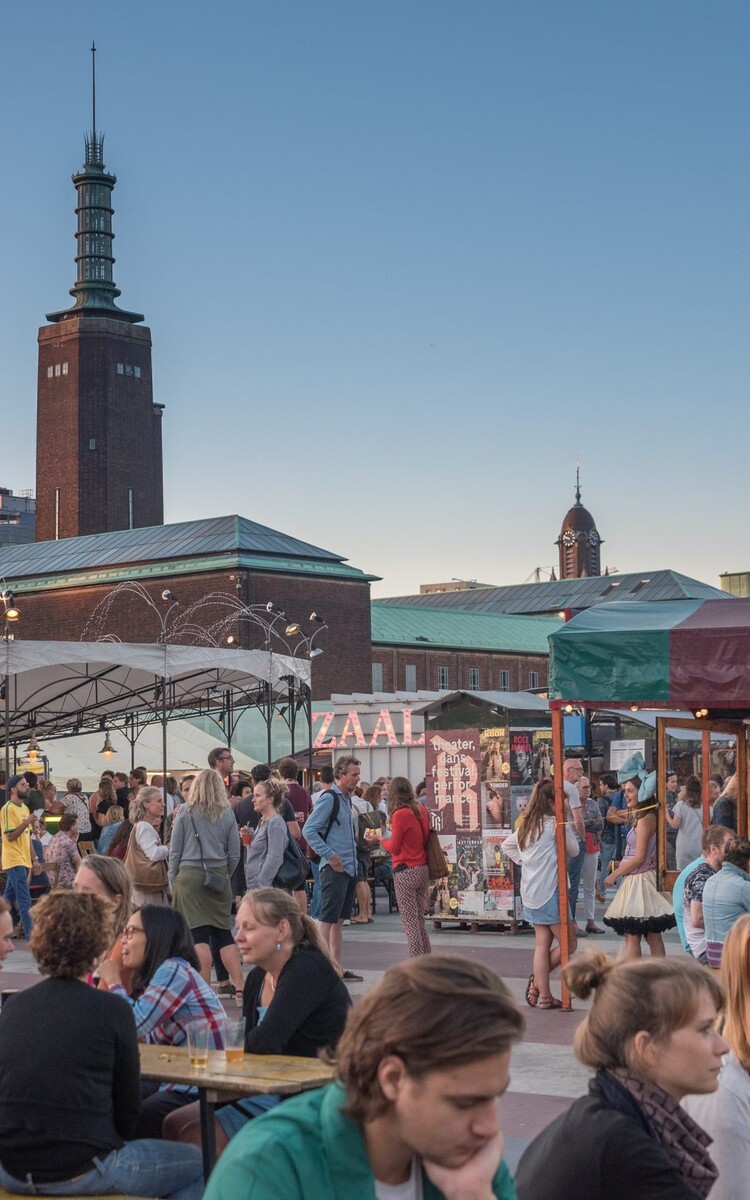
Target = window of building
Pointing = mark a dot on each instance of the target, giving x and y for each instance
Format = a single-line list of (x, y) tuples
[(410, 678), (57, 514), (377, 677), (65, 368), (504, 681), (129, 370), (473, 679), (120, 368), (443, 679), (57, 370), (533, 679), (137, 372), (92, 443), (131, 514), (50, 372)]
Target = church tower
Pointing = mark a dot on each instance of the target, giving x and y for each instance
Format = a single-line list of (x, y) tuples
[(98, 442), (579, 542)]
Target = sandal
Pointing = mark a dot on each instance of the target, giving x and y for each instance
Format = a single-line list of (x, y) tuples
[(532, 992), (550, 1002)]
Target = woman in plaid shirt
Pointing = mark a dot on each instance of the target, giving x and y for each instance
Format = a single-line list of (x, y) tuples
[(168, 993)]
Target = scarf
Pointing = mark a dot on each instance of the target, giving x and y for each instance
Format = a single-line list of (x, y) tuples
[(684, 1143)]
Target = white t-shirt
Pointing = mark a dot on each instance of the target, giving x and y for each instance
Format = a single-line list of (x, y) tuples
[(410, 1190), (539, 862)]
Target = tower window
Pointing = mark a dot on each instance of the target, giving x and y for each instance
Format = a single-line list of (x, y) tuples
[(131, 514), (65, 368), (92, 443), (137, 372), (57, 370), (120, 369), (50, 372)]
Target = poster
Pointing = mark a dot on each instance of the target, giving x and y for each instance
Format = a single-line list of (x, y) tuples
[(493, 744), (542, 744), (496, 805), (519, 798), (498, 876), (621, 750), (445, 896), (470, 874), (453, 765), (521, 758)]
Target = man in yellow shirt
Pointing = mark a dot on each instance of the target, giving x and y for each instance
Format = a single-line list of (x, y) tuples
[(18, 854)]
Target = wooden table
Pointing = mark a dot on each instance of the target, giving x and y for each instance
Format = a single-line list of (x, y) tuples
[(220, 1081)]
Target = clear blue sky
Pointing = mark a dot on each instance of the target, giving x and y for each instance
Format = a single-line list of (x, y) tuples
[(403, 259)]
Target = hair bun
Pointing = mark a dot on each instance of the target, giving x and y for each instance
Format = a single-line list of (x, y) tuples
[(587, 973)]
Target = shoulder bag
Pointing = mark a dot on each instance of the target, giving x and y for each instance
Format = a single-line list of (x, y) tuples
[(213, 879), (294, 868), (147, 875)]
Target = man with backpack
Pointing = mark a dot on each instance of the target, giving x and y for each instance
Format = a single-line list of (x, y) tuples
[(331, 832)]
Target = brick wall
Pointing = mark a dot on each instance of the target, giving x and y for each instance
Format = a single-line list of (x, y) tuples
[(92, 403), (62, 615), (394, 661)]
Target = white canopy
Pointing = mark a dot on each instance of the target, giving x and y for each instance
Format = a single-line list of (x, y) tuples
[(56, 687)]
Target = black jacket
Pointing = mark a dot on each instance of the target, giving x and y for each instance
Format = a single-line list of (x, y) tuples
[(602, 1148), (308, 1012)]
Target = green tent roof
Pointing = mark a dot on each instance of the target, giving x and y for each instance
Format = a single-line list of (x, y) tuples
[(404, 625)]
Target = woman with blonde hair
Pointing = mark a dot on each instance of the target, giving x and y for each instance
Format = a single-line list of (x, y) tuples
[(265, 854), (725, 1113), (651, 1038), (533, 846), (295, 1001), (204, 850), (146, 855), (112, 822)]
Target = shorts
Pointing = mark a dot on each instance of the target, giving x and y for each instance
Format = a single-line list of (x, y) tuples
[(336, 895), (363, 864), (209, 935)]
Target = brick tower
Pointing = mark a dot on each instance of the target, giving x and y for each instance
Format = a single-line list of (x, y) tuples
[(98, 442)]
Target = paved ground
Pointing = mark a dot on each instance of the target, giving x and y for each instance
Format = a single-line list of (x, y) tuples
[(545, 1075)]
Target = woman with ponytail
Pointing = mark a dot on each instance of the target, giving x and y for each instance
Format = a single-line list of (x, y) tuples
[(651, 1038), (295, 1001)]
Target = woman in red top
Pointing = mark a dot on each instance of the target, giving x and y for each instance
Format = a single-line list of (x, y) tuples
[(407, 845)]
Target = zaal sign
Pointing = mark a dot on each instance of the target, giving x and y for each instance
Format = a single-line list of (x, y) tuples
[(385, 733)]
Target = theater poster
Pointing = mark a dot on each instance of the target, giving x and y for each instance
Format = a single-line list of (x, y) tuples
[(470, 875), (495, 754), (496, 811), (453, 767), (521, 758), (499, 892), (542, 743)]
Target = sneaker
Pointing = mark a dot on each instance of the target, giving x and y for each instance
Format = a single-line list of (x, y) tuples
[(351, 977)]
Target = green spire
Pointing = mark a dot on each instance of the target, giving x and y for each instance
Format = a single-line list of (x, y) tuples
[(94, 292)]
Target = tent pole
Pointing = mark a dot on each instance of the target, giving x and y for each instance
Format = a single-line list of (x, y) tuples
[(562, 854), (164, 735), (706, 773)]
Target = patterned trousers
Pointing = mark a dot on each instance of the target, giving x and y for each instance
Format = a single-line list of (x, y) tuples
[(412, 886)]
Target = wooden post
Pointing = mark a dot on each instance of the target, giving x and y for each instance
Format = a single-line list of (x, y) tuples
[(706, 773), (562, 854)]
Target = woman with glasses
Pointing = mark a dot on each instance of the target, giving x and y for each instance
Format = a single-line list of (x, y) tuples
[(168, 992), (69, 1103)]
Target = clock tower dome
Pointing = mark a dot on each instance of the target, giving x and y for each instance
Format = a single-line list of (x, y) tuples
[(579, 543)]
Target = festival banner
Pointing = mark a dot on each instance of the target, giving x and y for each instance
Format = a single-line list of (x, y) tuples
[(453, 765)]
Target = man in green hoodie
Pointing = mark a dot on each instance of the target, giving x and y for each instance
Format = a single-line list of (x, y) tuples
[(421, 1065)]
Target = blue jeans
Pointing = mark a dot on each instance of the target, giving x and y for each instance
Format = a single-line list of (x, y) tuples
[(143, 1168), (17, 892), (575, 867)]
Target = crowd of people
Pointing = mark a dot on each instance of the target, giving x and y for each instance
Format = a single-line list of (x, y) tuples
[(211, 876)]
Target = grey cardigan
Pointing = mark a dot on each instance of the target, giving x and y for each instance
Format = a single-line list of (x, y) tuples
[(266, 853), (220, 841)]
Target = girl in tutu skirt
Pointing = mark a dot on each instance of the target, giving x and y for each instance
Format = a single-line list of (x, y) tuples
[(638, 909)]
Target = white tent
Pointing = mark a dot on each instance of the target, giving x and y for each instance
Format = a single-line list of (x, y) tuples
[(81, 758), (56, 688)]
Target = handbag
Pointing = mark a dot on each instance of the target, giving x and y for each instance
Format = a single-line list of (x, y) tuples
[(147, 875), (213, 879), (294, 867)]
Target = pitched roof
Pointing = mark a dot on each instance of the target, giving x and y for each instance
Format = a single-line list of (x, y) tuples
[(403, 625), (553, 596), (186, 545)]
